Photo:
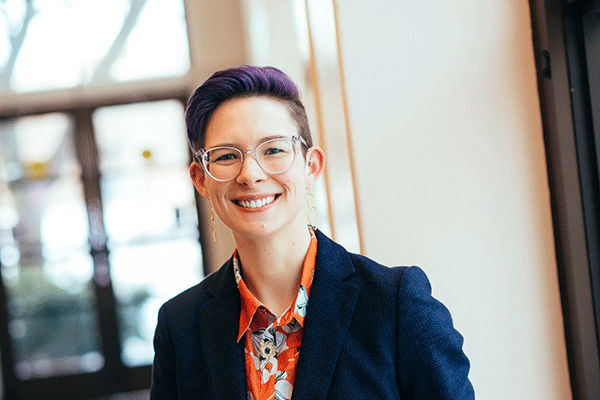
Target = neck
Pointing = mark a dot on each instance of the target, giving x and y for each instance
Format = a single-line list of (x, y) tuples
[(272, 266)]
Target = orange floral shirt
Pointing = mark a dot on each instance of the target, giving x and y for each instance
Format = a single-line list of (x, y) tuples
[(272, 344)]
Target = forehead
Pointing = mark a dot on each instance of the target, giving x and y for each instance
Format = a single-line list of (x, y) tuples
[(248, 120)]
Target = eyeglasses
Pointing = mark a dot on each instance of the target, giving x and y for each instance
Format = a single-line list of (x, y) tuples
[(275, 156)]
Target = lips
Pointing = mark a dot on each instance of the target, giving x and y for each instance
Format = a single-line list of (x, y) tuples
[(256, 203)]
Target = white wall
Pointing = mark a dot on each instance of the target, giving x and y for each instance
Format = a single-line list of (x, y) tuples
[(447, 138)]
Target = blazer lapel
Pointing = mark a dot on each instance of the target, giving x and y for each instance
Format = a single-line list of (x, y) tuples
[(330, 309), (218, 336)]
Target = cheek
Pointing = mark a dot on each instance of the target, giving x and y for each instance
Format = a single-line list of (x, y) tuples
[(216, 191), (294, 183)]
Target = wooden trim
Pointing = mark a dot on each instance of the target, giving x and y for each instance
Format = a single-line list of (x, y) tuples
[(348, 130), (333, 124)]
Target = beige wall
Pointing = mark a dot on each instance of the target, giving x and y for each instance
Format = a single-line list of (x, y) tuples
[(450, 170)]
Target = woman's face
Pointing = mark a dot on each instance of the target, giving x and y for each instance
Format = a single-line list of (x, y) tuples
[(245, 123)]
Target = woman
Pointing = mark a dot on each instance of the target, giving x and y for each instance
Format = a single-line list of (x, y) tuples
[(291, 312)]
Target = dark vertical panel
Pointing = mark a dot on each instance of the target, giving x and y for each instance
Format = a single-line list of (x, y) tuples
[(579, 77), (563, 97), (88, 156), (8, 373), (590, 23)]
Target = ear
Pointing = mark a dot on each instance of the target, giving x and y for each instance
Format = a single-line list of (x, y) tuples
[(199, 178), (315, 164)]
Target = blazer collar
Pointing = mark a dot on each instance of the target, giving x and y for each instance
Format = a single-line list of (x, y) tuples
[(330, 309), (329, 312)]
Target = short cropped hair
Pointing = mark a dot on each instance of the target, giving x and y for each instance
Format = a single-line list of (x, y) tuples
[(243, 81)]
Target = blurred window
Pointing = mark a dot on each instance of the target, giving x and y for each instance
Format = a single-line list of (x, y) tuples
[(44, 254), (58, 44)]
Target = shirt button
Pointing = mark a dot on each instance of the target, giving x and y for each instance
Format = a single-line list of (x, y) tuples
[(269, 365)]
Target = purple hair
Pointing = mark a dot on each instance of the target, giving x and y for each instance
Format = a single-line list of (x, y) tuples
[(238, 82)]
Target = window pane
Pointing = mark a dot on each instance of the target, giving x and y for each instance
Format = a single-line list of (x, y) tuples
[(60, 44), (44, 254), (145, 276), (150, 215), (138, 137)]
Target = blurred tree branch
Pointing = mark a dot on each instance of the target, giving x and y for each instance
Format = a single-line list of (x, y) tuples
[(16, 40), (102, 72)]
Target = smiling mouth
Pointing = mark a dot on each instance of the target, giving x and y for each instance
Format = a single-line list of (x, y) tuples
[(257, 203)]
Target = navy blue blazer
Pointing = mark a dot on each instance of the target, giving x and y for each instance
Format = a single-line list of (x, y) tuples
[(371, 332)]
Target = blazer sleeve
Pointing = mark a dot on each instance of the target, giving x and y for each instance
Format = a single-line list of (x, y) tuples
[(164, 382), (430, 361)]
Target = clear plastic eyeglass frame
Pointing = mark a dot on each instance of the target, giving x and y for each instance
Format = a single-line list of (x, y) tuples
[(202, 156)]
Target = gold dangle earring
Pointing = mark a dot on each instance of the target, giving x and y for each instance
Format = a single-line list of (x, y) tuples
[(214, 224), (313, 214)]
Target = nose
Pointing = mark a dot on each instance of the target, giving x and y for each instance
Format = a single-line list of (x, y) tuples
[(251, 172)]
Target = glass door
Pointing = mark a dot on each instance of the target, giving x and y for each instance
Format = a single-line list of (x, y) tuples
[(98, 227)]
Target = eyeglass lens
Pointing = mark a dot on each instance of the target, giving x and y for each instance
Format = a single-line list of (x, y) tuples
[(274, 156)]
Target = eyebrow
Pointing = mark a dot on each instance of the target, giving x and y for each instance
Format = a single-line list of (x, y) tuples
[(262, 140)]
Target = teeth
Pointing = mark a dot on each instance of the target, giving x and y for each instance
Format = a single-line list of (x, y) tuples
[(256, 203)]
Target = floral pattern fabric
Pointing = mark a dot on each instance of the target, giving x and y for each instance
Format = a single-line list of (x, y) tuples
[(272, 343)]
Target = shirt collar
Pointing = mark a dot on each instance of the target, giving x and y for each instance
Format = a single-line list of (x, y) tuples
[(297, 310)]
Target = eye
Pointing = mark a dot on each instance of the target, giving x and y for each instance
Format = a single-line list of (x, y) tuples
[(273, 150), (226, 157), (223, 156)]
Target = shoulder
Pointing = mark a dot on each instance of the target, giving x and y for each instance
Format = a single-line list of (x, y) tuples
[(403, 280), (193, 296), (430, 362), (190, 300), (411, 291), (334, 260)]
